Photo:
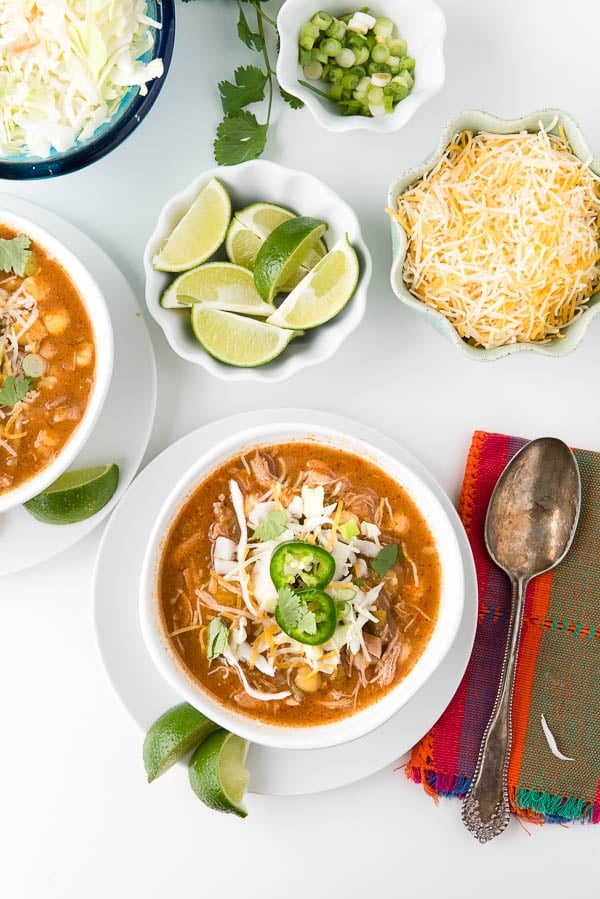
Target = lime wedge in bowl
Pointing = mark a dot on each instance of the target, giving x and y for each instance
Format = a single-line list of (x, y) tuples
[(75, 495), (284, 250), (200, 232), (222, 285), (218, 773), (236, 339), (323, 293), (249, 229)]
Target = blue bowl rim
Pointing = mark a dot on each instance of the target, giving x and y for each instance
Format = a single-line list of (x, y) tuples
[(90, 152)]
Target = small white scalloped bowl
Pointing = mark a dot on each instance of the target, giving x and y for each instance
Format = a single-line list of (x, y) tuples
[(368, 719), (251, 182), (420, 22), (478, 121), (95, 306)]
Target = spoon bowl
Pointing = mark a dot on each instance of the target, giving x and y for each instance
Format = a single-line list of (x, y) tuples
[(530, 524), (534, 509)]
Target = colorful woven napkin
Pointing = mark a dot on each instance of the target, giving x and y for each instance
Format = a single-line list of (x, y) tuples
[(558, 670)]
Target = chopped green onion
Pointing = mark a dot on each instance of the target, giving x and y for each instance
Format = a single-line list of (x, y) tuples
[(380, 53), (322, 19), (383, 27), (304, 56), (359, 57), (313, 71), (331, 47), (346, 58), (349, 529), (34, 365)]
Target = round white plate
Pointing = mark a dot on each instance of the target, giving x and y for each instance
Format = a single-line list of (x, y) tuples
[(146, 695), (123, 430)]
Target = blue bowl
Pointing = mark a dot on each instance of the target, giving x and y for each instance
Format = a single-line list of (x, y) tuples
[(132, 109)]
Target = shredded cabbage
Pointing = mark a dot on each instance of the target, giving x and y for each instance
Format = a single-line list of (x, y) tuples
[(65, 66)]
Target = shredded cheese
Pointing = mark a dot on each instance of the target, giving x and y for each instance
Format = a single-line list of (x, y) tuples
[(503, 237)]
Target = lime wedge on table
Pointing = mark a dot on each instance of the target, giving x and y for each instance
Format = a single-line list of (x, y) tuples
[(200, 232), (283, 251), (174, 734), (220, 284), (235, 339), (323, 293), (75, 495), (218, 773), (249, 229)]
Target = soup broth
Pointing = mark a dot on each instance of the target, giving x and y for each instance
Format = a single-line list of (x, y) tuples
[(44, 329), (244, 637)]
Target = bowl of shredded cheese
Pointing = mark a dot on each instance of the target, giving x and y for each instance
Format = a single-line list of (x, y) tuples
[(76, 79), (496, 236)]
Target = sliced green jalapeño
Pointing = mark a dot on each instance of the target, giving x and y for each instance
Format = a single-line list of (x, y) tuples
[(301, 566), (323, 624)]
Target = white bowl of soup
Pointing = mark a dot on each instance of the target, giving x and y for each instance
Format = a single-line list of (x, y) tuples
[(56, 356), (300, 586)]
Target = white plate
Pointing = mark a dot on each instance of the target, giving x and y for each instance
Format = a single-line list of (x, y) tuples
[(146, 695), (122, 432)]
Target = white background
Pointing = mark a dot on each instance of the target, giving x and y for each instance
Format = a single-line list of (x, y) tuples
[(76, 816)]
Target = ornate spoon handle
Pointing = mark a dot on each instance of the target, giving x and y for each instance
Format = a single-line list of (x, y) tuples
[(486, 811)]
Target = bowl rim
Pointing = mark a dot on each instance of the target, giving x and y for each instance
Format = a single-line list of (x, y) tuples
[(288, 22), (95, 305), (82, 155), (234, 178), (481, 121), (368, 719)]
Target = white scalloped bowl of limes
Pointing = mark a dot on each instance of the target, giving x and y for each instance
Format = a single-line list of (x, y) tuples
[(255, 271)]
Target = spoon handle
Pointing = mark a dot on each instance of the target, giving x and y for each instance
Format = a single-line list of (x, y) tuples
[(486, 810)]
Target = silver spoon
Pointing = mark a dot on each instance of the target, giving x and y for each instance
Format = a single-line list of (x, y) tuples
[(529, 527)]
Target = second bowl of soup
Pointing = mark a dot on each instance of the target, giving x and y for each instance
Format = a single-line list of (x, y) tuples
[(56, 355), (300, 586)]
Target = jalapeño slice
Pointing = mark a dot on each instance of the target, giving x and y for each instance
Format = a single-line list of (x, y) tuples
[(301, 565), (322, 607)]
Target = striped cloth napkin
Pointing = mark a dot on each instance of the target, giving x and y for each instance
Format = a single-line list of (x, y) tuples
[(558, 670)]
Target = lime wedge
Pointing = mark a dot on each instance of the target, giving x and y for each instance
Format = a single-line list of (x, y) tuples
[(221, 285), (174, 734), (249, 229), (75, 495), (323, 293), (218, 773), (284, 250), (200, 232), (235, 339)]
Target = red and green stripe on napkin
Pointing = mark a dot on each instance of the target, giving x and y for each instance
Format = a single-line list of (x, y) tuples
[(558, 669)]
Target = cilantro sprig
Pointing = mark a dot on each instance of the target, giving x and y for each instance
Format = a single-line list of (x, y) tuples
[(217, 638), (272, 526), (294, 612), (15, 253), (385, 558), (240, 135), (14, 389)]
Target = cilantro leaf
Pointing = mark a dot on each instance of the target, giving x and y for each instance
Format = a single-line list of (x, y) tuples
[(385, 558), (14, 389), (15, 253), (295, 613), (294, 102), (218, 638), (239, 137), (250, 38), (249, 87), (272, 526)]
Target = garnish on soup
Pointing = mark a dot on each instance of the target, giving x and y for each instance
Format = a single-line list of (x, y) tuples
[(46, 359), (299, 583), (503, 236)]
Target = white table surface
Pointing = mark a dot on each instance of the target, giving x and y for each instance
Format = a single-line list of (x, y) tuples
[(77, 818)]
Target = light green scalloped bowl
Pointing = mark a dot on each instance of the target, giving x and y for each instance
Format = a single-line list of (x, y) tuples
[(477, 121)]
